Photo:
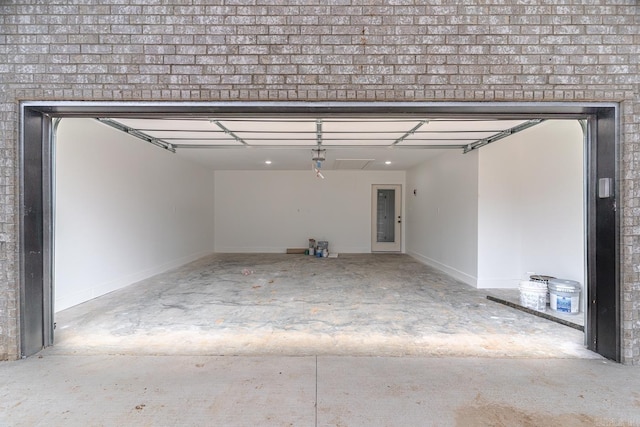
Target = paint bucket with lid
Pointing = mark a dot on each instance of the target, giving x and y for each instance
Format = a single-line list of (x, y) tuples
[(565, 295), (533, 295)]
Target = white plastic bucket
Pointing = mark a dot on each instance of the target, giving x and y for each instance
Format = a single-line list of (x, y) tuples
[(565, 296), (533, 295), (542, 279)]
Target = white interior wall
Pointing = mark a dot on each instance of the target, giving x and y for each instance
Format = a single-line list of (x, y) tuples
[(531, 205), (269, 211), (515, 206), (442, 215), (499, 213), (124, 210)]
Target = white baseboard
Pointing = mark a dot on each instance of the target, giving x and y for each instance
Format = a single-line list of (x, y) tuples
[(457, 274)]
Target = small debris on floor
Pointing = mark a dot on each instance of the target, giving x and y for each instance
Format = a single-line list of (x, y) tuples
[(199, 365), (271, 281), (298, 251), (256, 286), (140, 407), (246, 272)]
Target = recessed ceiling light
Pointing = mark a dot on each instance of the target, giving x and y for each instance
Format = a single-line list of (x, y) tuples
[(267, 162), (387, 162)]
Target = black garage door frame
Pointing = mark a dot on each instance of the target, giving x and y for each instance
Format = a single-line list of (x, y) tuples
[(37, 122)]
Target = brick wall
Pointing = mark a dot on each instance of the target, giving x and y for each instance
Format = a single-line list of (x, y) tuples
[(322, 50)]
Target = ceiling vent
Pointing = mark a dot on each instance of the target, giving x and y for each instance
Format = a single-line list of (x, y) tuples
[(352, 163)]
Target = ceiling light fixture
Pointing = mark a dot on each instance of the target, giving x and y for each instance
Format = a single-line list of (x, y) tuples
[(267, 162), (387, 162)]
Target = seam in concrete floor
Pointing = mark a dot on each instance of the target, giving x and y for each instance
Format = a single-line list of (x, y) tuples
[(104, 390)]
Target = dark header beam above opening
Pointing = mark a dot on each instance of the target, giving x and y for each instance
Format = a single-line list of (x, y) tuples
[(304, 109)]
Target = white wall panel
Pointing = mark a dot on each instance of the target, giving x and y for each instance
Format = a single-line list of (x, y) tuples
[(442, 228), (125, 210), (515, 206), (269, 211), (501, 195), (531, 205)]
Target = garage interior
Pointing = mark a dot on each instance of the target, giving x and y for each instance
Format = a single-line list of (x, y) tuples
[(171, 234)]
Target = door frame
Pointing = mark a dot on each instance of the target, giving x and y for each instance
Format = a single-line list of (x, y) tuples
[(395, 246), (35, 224)]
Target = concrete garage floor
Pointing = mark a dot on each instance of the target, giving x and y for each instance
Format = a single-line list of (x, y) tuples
[(131, 358), (278, 304), (110, 390)]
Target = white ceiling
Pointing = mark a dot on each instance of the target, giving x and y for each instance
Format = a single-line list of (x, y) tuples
[(245, 143)]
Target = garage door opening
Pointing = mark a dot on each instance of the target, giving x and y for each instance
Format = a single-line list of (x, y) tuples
[(245, 209)]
